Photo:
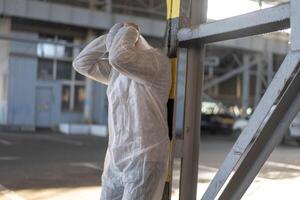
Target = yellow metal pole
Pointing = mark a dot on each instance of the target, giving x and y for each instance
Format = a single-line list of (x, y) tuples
[(173, 11)]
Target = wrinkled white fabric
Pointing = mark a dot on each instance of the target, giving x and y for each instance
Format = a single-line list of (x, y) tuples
[(139, 80), (111, 35)]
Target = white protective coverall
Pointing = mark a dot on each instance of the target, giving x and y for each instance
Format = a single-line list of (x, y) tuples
[(139, 80)]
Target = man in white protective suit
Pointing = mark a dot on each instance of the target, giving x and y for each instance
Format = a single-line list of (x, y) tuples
[(139, 80)]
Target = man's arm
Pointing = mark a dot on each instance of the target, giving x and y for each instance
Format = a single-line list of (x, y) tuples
[(90, 63), (139, 65)]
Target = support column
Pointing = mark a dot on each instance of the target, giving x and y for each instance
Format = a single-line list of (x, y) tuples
[(88, 104), (258, 86), (192, 112), (246, 84), (108, 4), (5, 27), (270, 67)]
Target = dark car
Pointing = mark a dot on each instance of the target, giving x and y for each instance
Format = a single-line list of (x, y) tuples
[(217, 123)]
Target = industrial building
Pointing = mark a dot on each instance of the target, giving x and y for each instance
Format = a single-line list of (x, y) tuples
[(39, 39), (241, 63)]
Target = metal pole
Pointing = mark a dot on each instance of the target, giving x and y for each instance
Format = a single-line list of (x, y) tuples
[(192, 112), (258, 86), (173, 12), (88, 103), (270, 70), (108, 7), (246, 84), (230, 74)]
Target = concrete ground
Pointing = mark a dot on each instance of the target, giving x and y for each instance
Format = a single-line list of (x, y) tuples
[(49, 166)]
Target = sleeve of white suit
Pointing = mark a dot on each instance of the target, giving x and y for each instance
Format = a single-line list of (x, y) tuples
[(139, 65), (90, 62)]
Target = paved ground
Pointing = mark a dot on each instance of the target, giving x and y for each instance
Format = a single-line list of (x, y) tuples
[(49, 166)]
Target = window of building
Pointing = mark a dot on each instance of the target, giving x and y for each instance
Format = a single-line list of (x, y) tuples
[(79, 98), (64, 70), (79, 77), (63, 51), (72, 97), (65, 98), (45, 69), (47, 48), (55, 63)]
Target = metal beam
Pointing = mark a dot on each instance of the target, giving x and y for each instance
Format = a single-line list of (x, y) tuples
[(259, 81), (192, 109), (4, 36), (76, 16), (254, 23), (273, 131), (230, 74), (246, 84), (277, 86), (270, 66), (295, 19)]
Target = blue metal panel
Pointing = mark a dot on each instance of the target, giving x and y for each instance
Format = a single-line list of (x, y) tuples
[(24, 47), (21, 83), (57, 116), (44, 106), (21, 91)]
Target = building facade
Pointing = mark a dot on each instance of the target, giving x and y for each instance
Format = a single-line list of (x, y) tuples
[(39, 39)]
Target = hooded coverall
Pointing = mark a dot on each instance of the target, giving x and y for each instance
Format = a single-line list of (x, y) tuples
[(139, 80)]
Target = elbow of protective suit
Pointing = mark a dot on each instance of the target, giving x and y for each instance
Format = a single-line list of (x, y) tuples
[(76, 65), (79, 67)]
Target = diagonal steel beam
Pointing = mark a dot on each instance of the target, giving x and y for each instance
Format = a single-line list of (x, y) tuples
[(277, 86), (254, 23), (271, 134), (230, 74)]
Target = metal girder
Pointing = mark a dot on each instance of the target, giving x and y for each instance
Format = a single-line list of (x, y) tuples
[(4, 36), (277, 86), (192, 109), (271, 134), (259, 81), (246, 84), (76, 16), (295, 31), (254, 23), (230, 74)]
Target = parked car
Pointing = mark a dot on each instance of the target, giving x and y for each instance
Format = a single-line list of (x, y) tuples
[(292, 134), (217, 123), (239, 125)]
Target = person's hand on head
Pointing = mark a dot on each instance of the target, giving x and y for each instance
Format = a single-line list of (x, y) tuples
[(111, 34), (133, 25)]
